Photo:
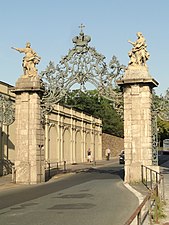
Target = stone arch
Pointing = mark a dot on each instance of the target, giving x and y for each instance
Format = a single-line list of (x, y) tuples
[(88, 142), (78, 147), (53, 154), (96, 144), (67, 153)]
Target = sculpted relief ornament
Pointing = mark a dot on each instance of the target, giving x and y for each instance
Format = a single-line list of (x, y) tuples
[(29, 60), (138, 54)]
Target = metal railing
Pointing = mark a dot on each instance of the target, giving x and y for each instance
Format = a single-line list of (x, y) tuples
[(53, 168), (154, 181)]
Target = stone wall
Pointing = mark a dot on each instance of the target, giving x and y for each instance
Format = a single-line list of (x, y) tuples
[(116, 144)]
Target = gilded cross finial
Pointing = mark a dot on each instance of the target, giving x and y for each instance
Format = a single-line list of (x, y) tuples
[(81, 27)]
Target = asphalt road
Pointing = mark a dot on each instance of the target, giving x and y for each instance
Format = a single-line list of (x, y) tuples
[(95, 197)]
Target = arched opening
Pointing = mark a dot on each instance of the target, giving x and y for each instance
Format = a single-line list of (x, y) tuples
[(67, 154), (88, 144), (78, 149), (53, 151)]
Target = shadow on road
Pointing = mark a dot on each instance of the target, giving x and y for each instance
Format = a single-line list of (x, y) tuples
[(108, 172)]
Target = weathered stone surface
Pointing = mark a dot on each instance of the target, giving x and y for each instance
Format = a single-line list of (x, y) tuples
[(32, 83), (137, 86), (116, 144), (137, 74), (29, 165)]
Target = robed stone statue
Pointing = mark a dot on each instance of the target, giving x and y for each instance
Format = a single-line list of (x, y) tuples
[(138, 54), (29, 60)]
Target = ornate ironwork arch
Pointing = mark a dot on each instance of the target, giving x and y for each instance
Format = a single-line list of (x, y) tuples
[(82, 66)]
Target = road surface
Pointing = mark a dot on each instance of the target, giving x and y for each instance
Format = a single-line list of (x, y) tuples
[(97, 196)]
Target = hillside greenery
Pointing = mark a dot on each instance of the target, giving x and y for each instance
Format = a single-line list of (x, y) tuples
[(160, 104), (99, 107)]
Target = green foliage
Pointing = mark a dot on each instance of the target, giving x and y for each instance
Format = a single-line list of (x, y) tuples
[(103, 109), (112, 123), (163, 126), (158, 209), (163, 130), (157, 101)]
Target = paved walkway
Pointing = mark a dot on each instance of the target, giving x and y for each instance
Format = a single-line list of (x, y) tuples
[(6, 181), (139, 190)]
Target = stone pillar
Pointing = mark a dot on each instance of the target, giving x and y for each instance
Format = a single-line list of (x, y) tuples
[(137, 87), (29, 162)]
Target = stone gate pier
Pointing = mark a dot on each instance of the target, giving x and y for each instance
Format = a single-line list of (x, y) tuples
[(29, 162), (137, 85)]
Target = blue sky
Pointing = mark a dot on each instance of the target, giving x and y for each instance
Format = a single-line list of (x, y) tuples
[(50, 26)]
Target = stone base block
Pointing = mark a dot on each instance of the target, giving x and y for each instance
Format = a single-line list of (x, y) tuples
[(133, 173), (26, 173), (22, 174), (28, 83)]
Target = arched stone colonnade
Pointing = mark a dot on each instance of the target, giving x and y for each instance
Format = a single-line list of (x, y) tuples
[(68, 135)]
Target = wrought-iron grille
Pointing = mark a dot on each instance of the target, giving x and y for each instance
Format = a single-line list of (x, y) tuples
[(6, 110), (82, 68)]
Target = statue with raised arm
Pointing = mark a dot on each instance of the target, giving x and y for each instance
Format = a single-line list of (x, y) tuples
[(138, 54), (29, 60)]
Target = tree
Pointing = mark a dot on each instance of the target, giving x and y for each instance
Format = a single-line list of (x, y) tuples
[(160, 106), (91, 103)]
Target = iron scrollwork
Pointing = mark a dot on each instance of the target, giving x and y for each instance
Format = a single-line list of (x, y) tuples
[(163, 107), (6, 110), (154, 138), (81, 68)]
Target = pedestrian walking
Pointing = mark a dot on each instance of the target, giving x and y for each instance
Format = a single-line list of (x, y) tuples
[(108, 153), (89, 155)]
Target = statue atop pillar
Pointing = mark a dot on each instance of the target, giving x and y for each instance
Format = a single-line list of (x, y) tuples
[(138, 54), (29, 60), (29, 162), (137, 85)]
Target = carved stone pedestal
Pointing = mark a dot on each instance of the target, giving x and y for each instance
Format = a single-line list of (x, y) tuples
[(29, 163), (137, 87)]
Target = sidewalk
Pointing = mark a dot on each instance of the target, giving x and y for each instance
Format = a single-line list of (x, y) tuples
[(6, 181)]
